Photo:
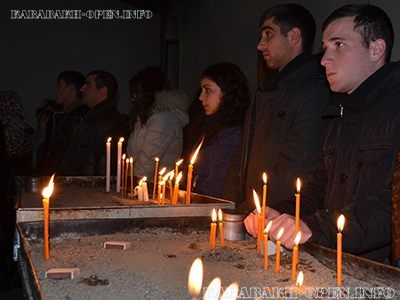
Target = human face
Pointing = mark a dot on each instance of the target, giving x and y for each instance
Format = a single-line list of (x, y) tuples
[(275, 47), (63, 92), (91, 94), (210, 96), (346, 60)]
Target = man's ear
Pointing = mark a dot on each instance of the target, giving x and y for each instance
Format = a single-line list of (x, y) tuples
[(377, 50), (294, 36), (104, 93)]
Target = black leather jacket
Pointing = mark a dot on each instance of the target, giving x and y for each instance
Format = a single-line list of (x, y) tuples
[(355, 176), (86, 153)]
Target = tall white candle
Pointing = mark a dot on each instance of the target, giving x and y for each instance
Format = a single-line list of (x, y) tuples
[(108, 164), (119, 157), (145, 192)]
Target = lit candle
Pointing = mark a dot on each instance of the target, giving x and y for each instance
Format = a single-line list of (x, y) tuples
[(297, 214), (119, 157), (340, 225), (177, 164), (295, 254), (144, 189), (139, 191), (126, 175), (278, 250), (108, 164), (213, 230), (160, 192), (190, 173), (131, 166), (266, 230), (299, 281), (46, 193), (176, 188), (213, 290), (155, 176), (231, 292), (259, 221), (195, 278), (160, 178), (169, 177), (123, 174), (264, 201), (221, 227)]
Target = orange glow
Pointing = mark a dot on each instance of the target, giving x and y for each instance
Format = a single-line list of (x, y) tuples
[(178, 178), (178, 163), (265, 178), (121, 140), (109, 140), (219, 215), (161, 173), (297, 238)]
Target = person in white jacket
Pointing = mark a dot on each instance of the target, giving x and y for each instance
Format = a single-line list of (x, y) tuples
[(158, 117)]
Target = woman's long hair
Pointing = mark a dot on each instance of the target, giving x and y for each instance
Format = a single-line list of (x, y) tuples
[(235, 100), (144, 86)]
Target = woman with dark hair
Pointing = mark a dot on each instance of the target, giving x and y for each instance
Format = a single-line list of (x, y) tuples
[(159, 115), (225, 97)]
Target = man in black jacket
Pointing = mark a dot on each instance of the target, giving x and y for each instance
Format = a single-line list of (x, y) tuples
[(359, 151), (86, 153), (283, 130)]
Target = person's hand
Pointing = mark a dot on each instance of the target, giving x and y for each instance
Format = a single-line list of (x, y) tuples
[(288, 223), (251, 221)]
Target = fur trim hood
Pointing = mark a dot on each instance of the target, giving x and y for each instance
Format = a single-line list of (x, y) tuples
[(171, 99)]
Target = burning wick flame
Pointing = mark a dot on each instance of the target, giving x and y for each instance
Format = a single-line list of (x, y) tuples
[(196, 153), (265, 178), (109, 140), (300, 279), (340, 223), (231, 292), (297, 238), (257, 202), (178, 163), (298, 185), (280, 233), (266, 230), (121, 140), (214, 215), (178, 178), (195, 277), (219, 215), (48, 190), (213, 290), (162, 171)]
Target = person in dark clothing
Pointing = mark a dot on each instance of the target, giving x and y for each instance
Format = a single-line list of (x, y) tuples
[(69, 97), (354, 177), (86, 152), (225, 97), (283, 130)]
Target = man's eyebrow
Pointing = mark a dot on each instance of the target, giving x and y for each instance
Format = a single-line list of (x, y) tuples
[(266, 27)]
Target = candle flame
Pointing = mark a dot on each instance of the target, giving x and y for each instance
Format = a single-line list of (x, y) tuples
[(48, 190), (280, 233), (265, 178), (127, 160), (297, 238), (231, 292), (178, 178), (340, 223), (300, 279), (214, 215), (257, 202), (169, 175), (266, 230), (131, 160), (298, 185), (178, 163), (219, 215), (123, 157), (213, 289), (109, 140), (162, 171), (121, 140), (143, 180), (196, 153), (156, 159), (195, 277)]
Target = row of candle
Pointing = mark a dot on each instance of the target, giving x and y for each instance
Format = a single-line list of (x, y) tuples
[(262, 234), (157, 179)]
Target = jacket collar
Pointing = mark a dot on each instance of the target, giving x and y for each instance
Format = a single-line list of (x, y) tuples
[(105, 107), (370, 92)]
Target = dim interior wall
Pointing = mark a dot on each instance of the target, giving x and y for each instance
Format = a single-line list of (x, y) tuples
[(34, 52), (227, 30)]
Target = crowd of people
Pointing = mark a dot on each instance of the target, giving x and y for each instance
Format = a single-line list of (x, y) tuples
[(331, 119)]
